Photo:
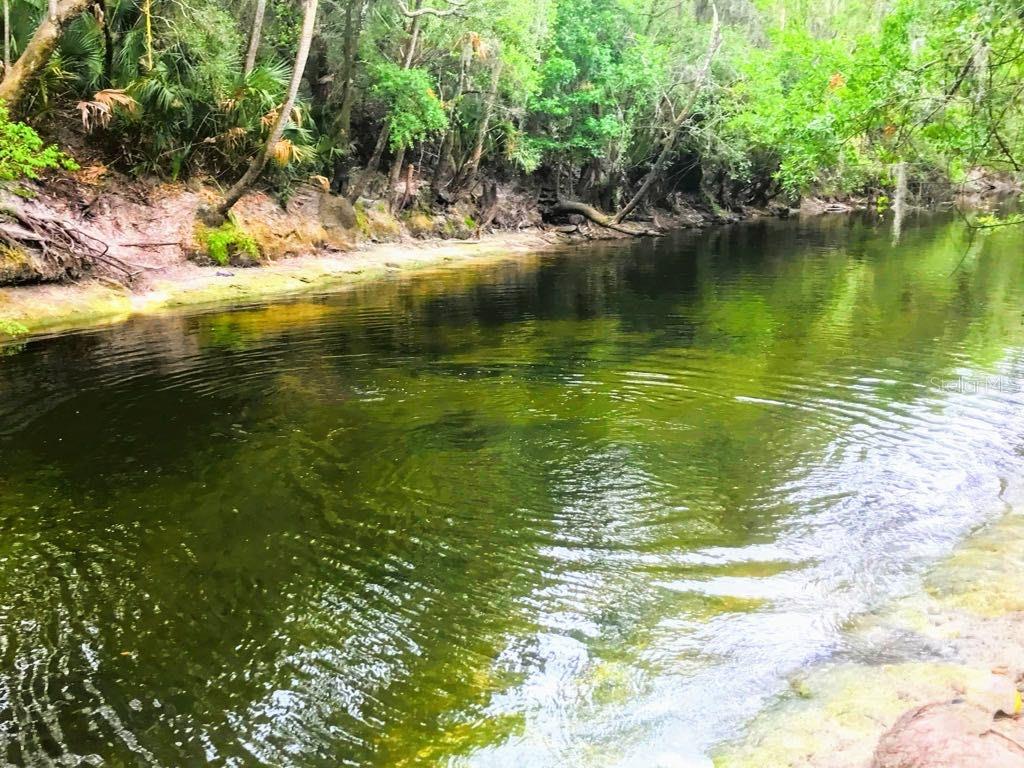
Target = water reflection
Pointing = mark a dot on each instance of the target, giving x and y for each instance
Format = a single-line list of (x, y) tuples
[(591, 508)]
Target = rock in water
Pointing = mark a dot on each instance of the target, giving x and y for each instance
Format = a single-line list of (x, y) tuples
[(957, 734)]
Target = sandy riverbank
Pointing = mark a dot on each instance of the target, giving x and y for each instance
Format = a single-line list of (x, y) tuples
[(56, 307)]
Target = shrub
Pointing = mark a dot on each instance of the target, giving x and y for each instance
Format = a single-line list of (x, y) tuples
[(23, 154), (414, 111)]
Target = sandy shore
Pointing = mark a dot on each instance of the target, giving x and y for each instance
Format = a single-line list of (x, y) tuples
[(56, 307)]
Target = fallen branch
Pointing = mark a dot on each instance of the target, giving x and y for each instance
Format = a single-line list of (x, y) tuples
[(594, 215), (455, 10), (149, 245)]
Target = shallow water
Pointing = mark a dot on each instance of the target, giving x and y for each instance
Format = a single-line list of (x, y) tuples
[(588, 508)]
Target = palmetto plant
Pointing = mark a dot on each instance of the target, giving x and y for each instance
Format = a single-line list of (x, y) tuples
[(99, 111), (192, 107)]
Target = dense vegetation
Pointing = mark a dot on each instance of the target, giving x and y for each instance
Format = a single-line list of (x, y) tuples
[(613, 102)]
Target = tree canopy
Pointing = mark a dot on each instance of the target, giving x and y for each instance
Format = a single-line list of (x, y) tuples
[(585, 96)]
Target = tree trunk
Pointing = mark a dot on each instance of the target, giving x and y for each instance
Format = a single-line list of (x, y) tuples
[(468, 176), (260, 161), (444, 155), (900, 205), (37, 52), (108, 45), (254, 36), (357, 189), (147, 10), (677, 125), (7, 35), (410, 54), (353, 30), (410, 174), (414, 37), (318, 76), (382, 139), (652, 14)]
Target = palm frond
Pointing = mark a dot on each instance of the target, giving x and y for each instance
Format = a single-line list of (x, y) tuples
[(81, 49)]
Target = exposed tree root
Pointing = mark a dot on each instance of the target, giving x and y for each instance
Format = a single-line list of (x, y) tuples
[(69, 252)]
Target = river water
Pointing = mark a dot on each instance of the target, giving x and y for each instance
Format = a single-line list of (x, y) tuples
[(588, 508)]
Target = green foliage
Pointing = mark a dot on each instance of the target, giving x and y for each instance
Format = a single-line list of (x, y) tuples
[(995, 221), (23, 154), (228, 242), (195, 110), (596, 80), (797, 101), (414, 111), (833, 112)]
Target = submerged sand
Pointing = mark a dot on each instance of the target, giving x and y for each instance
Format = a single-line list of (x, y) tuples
[(57, 307)]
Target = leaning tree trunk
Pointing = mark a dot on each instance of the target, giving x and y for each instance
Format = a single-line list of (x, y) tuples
[(467, 178), (357, 189), (677, 125), (394, 175), (260, 161), (254, 36), (18, 76)]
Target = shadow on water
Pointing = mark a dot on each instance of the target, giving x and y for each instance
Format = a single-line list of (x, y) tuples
[(588, 509)]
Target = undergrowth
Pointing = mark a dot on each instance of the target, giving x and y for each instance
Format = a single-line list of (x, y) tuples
[(227, 242), (23, 155)]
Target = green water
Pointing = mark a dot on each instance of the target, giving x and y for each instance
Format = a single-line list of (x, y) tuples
[(587, 508)]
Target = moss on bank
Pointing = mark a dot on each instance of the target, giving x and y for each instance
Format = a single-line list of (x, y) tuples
[(228, 244)]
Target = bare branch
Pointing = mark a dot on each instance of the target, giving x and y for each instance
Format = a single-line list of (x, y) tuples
[(455, 10)]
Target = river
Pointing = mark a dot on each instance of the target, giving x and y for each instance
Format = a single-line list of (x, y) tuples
[(591, 508)]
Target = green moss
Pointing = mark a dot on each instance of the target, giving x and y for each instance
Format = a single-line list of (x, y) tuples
[(11, 256), (419, 224), (362, 221), (227, 243), (376, 223), (12, 328)]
